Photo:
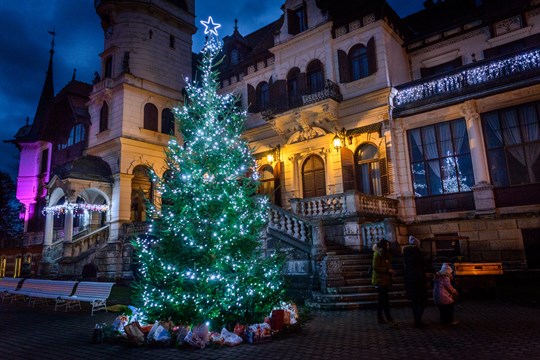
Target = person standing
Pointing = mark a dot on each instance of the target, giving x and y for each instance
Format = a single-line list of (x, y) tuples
[(381, 278), (444, 293), (415, 279)]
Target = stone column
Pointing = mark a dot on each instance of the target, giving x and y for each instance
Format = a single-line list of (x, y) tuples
[(484, 199), (48, 233), (68, 225)]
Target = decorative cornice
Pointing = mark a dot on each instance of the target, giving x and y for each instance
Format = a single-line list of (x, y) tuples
[(444, 43)]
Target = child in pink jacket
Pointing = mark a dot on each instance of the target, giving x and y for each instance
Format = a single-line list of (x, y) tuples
[(444, 293)]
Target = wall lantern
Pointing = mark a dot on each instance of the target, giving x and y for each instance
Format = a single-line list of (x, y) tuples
[(339, 139), (273, 154)]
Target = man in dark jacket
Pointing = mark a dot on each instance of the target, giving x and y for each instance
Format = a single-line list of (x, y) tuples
[(382, 279), (415, 279)]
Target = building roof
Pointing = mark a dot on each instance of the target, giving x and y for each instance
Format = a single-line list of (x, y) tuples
[(85, 168)]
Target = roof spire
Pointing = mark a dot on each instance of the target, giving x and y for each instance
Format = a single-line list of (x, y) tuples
[(53, 34), (235, 25), (47, 94)]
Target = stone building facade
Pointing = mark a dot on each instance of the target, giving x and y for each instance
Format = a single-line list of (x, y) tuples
[(365, 126)]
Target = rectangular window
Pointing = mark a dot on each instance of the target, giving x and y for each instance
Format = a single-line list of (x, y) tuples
[(107, 69), (440, 159), (441, 68), (44, 161), (297, 20), (512, 138), (3, 263), (17, 270)]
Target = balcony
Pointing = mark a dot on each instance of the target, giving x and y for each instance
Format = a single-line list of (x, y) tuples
[(106, 83), (283, 102), (477, 79)]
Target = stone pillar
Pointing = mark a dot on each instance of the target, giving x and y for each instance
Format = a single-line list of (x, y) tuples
[(476, 143), (484, 199), (352, 235), (48, 233), (68, 225)]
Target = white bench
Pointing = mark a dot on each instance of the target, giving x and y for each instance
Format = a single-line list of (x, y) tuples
[(39, 289), (95, 293), (7, 286)]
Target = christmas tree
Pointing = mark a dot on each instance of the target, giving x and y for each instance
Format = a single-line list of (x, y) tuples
[(201, 260)]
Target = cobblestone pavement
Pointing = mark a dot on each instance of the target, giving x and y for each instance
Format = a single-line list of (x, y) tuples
[(488, 329)]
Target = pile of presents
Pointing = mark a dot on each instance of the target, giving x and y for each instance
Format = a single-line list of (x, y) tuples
[(128, 329)]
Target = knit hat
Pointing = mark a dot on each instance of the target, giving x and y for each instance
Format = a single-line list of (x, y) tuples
[(446, 269), (414, 241)]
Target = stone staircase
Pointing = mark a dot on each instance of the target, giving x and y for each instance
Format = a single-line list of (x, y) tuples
[(350, 287)]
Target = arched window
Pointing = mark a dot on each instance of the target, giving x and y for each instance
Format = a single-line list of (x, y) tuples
[(313, 178), (167, 121), (293, 87), (142, 190), (150, 117), (358, 62), (315, 76), (267, 182), (368, 170), (104, 117), (263, 96)]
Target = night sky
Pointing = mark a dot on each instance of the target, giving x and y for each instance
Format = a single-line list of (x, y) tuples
[(25, 44)]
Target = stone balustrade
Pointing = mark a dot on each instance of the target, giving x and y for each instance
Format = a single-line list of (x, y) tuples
[(82, 244), (290, 224), (348, 203)]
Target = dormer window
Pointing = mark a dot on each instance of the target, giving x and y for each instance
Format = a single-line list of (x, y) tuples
[(297, 20), (235, 56)]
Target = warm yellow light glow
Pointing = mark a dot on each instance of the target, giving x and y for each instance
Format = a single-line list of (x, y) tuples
[(337, 142), (270, 158)]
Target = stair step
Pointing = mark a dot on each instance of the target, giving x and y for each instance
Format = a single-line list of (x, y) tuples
[(352, 304), (365, 288)]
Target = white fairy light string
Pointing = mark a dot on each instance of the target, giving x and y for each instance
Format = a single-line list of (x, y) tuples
[(74, 207), (469, 77)]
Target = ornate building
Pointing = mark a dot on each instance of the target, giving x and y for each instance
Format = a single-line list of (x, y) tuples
[(365, 126)]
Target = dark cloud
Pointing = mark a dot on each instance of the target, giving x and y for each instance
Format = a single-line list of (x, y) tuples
[(25, 46)]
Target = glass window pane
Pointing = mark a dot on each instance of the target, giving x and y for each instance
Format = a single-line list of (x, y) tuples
[(497, 168), (492, 130), (419, 179), (430, 143), (461, 137), (510, 127), (434, 177), (445, 138), (465, 172), (517, 169), (415, 145)]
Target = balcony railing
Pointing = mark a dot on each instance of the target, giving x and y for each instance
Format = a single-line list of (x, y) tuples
[(283, 102), (349, 203), (330, 91), (485, 75)]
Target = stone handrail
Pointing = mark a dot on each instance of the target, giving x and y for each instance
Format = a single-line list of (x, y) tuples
[(348, 203), (377, 205), (86, 242), (329, 205), (134, 229), (290, 224), (54, 252)]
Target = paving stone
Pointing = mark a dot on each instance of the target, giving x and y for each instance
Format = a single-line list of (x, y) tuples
[(488, 329)]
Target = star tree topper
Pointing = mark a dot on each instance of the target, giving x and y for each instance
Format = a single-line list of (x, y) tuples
[(210, 26)]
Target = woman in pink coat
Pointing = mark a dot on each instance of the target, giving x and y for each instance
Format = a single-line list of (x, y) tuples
[(444, 293)]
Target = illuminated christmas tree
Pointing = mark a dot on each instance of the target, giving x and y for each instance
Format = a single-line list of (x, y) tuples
[(201, 259)]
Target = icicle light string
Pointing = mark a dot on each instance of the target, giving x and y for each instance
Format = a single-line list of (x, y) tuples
[(470, 77)]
